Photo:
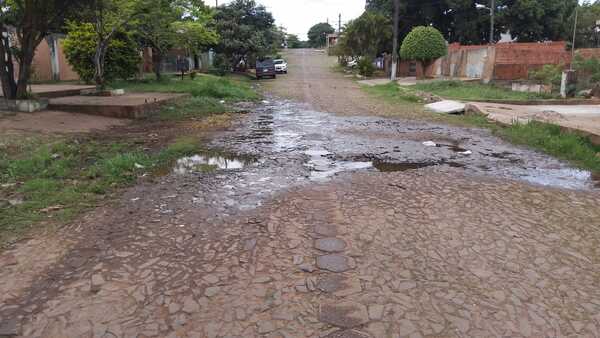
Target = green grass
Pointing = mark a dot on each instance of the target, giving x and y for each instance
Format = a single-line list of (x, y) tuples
[(208, 86), (475, 91), (552, 140), (194, 107), (71, 175)]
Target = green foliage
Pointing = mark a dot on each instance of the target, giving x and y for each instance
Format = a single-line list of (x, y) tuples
[(72, 175), (317, 34), (587, 36), (201, 86), (548, 75), (462, 21), (294, 42), (246, 30), (588, 70), (552, 140), (366, 67), (122, 57), (423, 44), (369, 35)]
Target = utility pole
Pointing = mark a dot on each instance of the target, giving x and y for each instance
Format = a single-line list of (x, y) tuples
[(216, 3), (492, 14), (395, 42), (340, 24), (574, 36)]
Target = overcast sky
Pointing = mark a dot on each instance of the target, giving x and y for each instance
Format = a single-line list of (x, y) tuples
[(299, 15)]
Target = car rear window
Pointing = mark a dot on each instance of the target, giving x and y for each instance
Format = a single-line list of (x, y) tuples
[(266, 63)]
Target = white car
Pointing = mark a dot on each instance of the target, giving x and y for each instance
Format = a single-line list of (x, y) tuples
[(280, 66)]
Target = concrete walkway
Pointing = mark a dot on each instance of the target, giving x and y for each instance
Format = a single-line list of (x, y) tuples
[(585, 118)]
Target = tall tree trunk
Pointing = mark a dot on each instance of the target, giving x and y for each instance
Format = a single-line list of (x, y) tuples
[(7, 71), (99, 63), (156, 61), (28, 45)]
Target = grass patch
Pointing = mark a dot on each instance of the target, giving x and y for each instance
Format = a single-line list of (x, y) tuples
[(194, 107), (208, 86), (550, 139), (476, 91), (53, 182)]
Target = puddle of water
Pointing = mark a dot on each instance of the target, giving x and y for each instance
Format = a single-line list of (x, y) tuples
[(384, 166), (211, 161)]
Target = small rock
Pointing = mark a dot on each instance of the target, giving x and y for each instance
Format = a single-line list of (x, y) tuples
[(8, 328), (297, 259), (306, 267), (262, 280), (212, 291), (190, 306), (330, 244), (344, 314), (97, 282), (240, 314), (311, 283), (347, 334), (265, 326), (174, 308), (335, 263), (376, 311)]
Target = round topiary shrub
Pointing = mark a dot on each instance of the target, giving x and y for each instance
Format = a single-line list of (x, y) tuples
[(423, 44)]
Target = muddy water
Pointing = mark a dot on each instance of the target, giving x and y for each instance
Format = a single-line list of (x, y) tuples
[(295, 145)]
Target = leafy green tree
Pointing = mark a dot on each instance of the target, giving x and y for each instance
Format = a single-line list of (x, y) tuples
[(537, 20), (588, 35), (163, 24), (122, 57), (368, 35), (246, 32), (108, 18), (467, 21), (23, 26), (294, 42), (317, 34), (424, 44)]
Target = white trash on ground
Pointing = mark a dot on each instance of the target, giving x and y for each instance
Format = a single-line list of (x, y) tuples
[(446, 107), (429, 144)]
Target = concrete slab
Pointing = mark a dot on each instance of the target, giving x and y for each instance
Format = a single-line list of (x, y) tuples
[(578, 118), (374, 82), (130, 105), (57, 90), (446, 107), (49, 122)]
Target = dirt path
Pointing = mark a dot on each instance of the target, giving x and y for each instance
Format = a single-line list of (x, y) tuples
[(324, 226)]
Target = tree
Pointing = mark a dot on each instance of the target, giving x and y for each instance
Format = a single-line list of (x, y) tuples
[(467, 21), (588, 35), (122, 57), (162, 24), (317, 35), (293, 41), (537, 20), (23, 25), (246, 32), (109, 17), (368, 35), (424, 44)]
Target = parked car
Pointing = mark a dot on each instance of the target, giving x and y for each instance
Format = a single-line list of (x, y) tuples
[(280, 66), (265, 68)]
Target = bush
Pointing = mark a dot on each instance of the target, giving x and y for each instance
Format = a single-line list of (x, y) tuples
[(588, 70), (366, 67), (122, 57), (221, 65), (423, 44), (548, 75)]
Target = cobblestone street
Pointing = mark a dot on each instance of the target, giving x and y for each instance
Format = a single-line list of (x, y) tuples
[(341, 227)]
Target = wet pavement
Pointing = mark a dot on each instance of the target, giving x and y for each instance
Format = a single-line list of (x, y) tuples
[(300, 223)]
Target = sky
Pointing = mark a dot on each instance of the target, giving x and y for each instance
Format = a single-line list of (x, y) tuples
[(299, 15)]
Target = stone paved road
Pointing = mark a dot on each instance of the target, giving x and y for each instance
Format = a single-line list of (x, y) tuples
[(440, 251)]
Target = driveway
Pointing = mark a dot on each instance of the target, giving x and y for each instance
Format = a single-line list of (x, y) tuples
[(324, 220)]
